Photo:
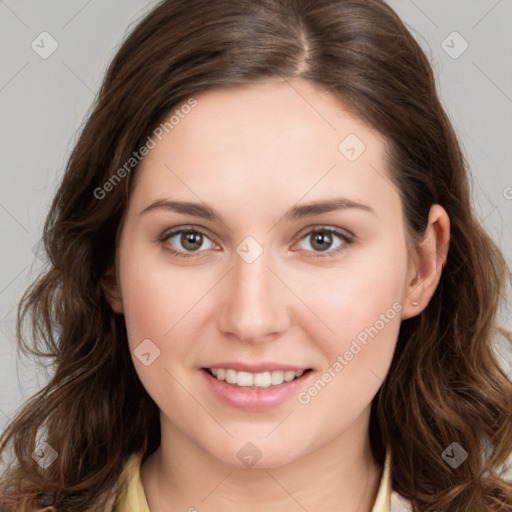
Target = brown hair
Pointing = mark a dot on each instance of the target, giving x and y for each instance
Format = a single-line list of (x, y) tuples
[(445, 384)]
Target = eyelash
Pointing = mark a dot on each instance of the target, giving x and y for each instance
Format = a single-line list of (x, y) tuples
[(347, 239)]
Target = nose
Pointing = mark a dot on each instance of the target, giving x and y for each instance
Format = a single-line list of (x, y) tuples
[(254, 303)]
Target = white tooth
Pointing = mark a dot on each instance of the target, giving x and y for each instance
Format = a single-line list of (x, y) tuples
[(262, 380), (288, 376), (244, 379), (277, 377), (231, 376)]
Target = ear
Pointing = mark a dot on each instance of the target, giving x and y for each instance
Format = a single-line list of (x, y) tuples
[(429, 258), (112, 290)]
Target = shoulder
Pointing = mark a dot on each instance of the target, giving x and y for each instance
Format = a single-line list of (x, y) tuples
[(399, 504), (396, 502)]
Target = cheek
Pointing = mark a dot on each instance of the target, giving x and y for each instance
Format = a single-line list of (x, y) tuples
[(159, 301), (171, 306), (360, 299), (363, 309), (156, 294), (359, 305), (147, 306)]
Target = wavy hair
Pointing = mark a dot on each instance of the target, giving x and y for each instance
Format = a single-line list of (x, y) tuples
[(445, 383)]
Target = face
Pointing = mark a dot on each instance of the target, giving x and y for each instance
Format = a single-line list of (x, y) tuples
[(254, 282)]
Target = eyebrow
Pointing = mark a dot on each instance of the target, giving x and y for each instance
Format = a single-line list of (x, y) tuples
[(295, 213)]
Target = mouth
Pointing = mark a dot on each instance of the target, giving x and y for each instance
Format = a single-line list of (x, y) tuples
[(267, 379)]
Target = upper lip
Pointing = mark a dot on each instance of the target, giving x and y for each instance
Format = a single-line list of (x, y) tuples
[(257, 367)]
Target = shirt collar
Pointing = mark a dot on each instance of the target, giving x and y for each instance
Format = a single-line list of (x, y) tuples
[(383, 500)]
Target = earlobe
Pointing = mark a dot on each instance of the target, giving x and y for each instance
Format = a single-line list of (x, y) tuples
[(430, 257), (112, 290)]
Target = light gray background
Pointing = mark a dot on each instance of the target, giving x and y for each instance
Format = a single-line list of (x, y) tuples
[(43, 103)]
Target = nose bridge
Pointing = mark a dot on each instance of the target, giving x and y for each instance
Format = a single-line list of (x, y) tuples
[(254, 304)]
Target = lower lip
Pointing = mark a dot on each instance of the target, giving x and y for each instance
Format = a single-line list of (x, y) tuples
[(255, 399)]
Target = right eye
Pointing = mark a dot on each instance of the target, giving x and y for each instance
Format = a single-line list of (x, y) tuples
[(185, 242)]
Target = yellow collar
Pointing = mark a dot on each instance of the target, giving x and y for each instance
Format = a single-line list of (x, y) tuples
[(131, 496), (383, 500)]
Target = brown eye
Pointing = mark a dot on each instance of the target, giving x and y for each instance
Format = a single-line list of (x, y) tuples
[(186, 242), (191, 240), (321, 241)]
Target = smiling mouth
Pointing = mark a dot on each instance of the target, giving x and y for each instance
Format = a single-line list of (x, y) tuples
[(255, 380)]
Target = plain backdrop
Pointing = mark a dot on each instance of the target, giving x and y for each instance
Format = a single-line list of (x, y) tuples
[(44, 100)]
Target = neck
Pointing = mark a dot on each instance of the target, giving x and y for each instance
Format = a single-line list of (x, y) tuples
[(341, 475)]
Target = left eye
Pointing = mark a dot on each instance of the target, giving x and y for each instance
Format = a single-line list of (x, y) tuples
[(322, 239)]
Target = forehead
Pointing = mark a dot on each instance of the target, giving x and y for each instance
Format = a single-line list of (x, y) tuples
[(262, 118), (275, 141)]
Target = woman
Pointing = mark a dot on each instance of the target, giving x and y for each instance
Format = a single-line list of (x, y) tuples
[(267, 286)]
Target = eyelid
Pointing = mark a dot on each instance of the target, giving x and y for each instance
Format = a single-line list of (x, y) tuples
[(186, 227), (325, 227)]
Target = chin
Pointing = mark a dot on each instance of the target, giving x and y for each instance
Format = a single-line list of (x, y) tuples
[(256, 454)]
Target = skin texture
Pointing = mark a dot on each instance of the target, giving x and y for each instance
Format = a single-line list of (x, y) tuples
[(251, 153)]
